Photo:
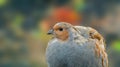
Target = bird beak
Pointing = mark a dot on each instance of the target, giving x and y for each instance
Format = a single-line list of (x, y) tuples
[(50, 32)]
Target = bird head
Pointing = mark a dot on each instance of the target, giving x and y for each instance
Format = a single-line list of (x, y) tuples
[(60, 31)]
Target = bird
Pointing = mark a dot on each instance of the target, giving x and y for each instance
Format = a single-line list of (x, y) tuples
[(75, 46)]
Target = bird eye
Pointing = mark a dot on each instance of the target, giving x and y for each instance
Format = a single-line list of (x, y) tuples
[(60, 29)]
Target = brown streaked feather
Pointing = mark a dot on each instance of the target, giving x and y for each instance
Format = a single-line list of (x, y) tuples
[(99, 49), (99, 45)]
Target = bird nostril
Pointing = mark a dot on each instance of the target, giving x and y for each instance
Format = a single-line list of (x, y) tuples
[(50, 32)]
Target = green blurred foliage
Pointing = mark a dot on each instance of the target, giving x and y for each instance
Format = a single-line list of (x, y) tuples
[(116, 45), (3, 2)]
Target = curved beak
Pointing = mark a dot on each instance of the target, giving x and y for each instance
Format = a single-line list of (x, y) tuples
[(50, 32)]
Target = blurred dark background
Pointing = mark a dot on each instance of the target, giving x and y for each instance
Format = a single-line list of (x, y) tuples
[(24, 24)]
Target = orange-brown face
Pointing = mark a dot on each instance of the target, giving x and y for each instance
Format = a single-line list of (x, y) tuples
[(60, 32)]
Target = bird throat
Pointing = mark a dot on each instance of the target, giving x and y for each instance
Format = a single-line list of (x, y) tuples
[(63, 38)]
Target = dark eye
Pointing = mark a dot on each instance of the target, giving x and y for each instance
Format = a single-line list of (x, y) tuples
[(60, 29)]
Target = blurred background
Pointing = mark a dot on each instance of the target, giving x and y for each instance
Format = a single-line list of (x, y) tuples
[(24, 24)]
